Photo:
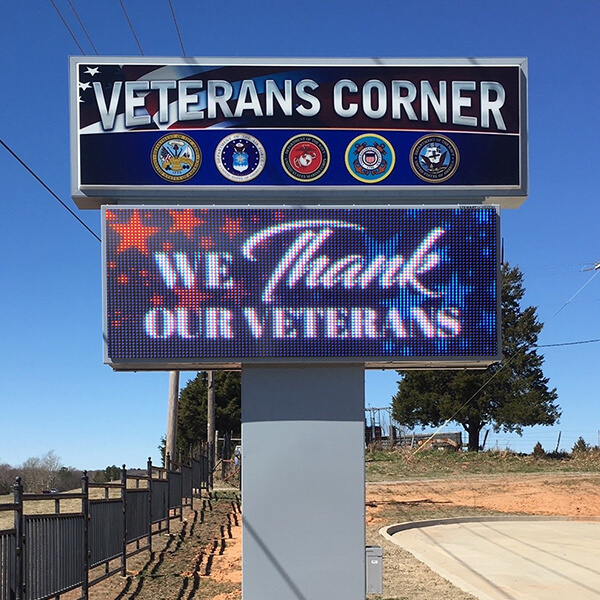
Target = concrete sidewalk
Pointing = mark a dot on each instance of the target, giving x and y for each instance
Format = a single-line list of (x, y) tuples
[(509, 558)]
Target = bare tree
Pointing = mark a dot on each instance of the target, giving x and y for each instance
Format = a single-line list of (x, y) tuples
[(40, 473), (7, 478)]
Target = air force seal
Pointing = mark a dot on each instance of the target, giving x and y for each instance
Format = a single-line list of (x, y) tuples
[(305, 158), (240, 157), (434, 158), (370, 158), (176, 157)]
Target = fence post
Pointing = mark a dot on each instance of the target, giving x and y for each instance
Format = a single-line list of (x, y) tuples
[(200, 457), (19, 540), (211, 463), (85, 509), (223, 457), (225, 454), (191, 478), (168, 473), (150, 505), (124, 502), (181, 485)]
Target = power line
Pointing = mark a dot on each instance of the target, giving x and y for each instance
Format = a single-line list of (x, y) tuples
[(131, 27), (577, 292), (568, 343), (39, 180), (503, 364), (177, 28), (82, 27), (68, 28)]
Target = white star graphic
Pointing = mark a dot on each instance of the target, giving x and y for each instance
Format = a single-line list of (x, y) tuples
[(92, 71), (85, 85)]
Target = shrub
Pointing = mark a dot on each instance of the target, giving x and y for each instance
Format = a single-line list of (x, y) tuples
[(581, 446), (558, 455), (538, 451)]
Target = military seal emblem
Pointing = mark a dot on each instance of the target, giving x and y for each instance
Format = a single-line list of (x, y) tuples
[(434, 158), (305, 157), (176, 157), (240, 157), (370, 158)]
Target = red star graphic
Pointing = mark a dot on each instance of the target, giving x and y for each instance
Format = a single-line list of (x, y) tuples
[(237, 293), (232, 227), (133, 234), (190, 298), (184, 221), (206, 243), (115, 318)]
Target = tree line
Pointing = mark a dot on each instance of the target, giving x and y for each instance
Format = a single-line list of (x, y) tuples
[(508, 395), (46, 473), (40, 473)]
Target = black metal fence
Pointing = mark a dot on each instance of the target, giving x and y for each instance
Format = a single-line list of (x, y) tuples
[(45, 555)]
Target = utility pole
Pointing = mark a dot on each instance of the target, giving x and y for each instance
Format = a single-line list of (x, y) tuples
[(210, 420), (171, 445)]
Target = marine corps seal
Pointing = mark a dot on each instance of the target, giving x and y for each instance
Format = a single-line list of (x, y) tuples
[(305, 157)]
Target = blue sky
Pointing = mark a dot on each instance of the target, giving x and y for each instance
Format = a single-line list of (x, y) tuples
[(55, 392)]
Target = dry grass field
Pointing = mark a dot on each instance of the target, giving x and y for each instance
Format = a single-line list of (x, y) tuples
[(48, 505), (201, 559)]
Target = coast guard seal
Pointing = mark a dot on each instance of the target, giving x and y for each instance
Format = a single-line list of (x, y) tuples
[(240, 157), (370, 158)]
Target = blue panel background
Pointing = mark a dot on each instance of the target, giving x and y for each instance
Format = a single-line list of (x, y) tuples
[(125, 159)]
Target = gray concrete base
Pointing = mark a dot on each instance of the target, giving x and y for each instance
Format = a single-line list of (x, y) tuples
[(537, 558), (303, 483)]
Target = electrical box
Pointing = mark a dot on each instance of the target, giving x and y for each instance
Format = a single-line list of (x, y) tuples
[(374, 567)]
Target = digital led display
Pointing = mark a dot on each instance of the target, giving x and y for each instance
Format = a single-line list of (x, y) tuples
[(217, 288), (204, 129)]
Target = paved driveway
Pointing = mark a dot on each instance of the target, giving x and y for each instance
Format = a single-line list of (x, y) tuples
[(505, 559)]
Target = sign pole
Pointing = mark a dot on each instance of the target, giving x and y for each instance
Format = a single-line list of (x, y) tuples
[(303, 486)]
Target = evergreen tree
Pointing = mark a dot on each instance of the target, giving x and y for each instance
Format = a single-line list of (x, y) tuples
[(508, 395), (111, 473), (191, 422)]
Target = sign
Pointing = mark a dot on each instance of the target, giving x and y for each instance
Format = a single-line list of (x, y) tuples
[(200, 130), (217, 288)]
